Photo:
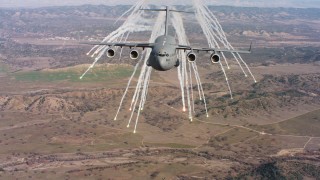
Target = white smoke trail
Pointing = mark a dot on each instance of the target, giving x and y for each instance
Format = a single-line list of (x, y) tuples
[(137, 118), (225, 42), (182, 71), (197, 80), (188, 92), (146, 71), (247, 68), (136, 22), (186, 86), (213, 22), (134, 8), (102, 49), (132, 113), (128, 85), (210, 35), (156, 31), (201, 88), (94, 63), (92, 49), (183, 62), (125, 40), (191, 87), (143, 97), (132, 24), (146, 87), (225, 75), (181, 83), (181, 34), (137, 94)]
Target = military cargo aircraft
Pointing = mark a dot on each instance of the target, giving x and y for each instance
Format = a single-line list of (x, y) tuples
[(164, 50)]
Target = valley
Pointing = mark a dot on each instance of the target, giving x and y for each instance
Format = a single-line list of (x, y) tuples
[(55, 126)]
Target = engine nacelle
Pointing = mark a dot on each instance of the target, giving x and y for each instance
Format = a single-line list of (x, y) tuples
[(191, 56), (215, 58), (110, 53), (134, 54)]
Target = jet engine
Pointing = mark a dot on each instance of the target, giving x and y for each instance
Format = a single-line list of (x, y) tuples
[(215, 58), (110, 53), (134, 54), (191, 57)]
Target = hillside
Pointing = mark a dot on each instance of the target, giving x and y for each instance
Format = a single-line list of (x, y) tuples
[(54, 125)]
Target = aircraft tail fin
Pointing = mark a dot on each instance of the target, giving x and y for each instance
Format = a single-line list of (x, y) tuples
[(167, 10)]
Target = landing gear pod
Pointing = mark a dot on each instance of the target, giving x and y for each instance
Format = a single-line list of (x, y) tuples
[(192, 57), (215, 58), (134, 54), (110, 53), (177, 63)]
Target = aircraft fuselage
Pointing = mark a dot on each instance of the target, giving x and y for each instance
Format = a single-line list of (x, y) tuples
[(163, 56)]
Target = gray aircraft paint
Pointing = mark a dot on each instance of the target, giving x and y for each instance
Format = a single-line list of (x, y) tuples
[(163, 55)]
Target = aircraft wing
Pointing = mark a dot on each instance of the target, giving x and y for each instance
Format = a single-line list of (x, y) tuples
[(185, 47), (112, 44)]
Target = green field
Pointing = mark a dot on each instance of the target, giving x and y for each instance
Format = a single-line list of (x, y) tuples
[(101, 73), (304, 125)]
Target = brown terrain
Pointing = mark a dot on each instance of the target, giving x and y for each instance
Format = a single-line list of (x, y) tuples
[(55, 126)]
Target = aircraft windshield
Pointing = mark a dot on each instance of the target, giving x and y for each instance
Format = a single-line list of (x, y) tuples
[(163, 54)]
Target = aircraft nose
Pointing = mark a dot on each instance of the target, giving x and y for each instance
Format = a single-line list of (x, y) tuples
[(165, 65)]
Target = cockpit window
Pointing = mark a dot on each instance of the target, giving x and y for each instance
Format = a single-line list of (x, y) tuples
[(163, 54)]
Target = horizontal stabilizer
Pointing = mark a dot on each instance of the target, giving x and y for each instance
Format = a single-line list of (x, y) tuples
[(171, 10)]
